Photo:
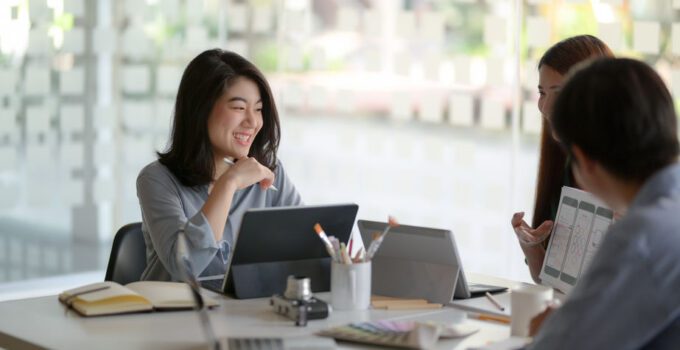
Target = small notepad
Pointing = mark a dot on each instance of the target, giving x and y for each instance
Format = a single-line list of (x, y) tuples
[(404, 334)]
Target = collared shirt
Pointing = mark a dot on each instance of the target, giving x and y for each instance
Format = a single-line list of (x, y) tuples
[(629, 298), (167, 205)]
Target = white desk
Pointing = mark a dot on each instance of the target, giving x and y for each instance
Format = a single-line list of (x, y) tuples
[(44, 323)]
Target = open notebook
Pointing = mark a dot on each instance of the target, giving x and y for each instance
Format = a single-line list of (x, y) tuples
[(106, 298)]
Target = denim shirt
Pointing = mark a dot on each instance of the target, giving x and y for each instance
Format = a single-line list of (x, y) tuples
[(167, 205), (629, 298)]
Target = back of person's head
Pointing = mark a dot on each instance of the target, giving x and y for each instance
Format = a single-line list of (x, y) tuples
[(567, 53), (620, 113), (189, 155)]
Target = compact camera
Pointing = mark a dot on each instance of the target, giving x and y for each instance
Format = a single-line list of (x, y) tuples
[(298, 304)]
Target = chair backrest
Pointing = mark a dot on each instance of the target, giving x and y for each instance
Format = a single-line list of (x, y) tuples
[(128, 255)]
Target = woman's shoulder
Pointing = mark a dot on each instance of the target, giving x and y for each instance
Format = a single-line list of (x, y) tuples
[(156, 171)]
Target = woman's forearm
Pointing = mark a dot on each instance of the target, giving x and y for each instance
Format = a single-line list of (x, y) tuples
[(535, 255), (216, 208)]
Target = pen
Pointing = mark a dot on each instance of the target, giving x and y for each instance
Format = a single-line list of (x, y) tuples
[(230, 162), (494, 301), (70, 298), (488, 317)]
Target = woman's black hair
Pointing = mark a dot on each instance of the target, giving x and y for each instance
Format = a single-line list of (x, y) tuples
[(620, 113), (190, 155)]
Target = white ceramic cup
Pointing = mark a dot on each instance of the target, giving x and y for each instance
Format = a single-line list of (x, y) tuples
[(527, 301), (351, 286)]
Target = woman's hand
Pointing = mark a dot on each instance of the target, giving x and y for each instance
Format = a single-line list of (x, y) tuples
[(529, 236), (247, 171)]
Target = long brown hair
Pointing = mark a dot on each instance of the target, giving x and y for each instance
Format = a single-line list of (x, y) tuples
[(190, 154), (551, 166)]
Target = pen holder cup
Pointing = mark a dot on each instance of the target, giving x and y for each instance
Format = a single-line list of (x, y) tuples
[(351, 286)]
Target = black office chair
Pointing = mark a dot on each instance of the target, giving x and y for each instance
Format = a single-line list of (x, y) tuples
[(128, 255)]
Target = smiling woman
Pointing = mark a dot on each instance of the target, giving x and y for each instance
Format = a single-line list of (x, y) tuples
[(224, 111)]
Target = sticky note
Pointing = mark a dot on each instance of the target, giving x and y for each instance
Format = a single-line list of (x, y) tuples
[(495, 71), (531, 118), (402, 64), (432, 26), (73, 192), (294, 97), (75, 7), (37, 80), (317, 58), (495, 30), (646, 37), (430, 109), (372, 23), (136, 79), (9, 78), (675, 83), (675, 37), (294, 58), (492, 115), (104, 117), (461, 110), (104, 153), (8, 121), (71, 118), (531, 75), (72, 82), (8, 159), (164, 115), (104, 39), (74, 41), (262, 19), (431, 65), (136, 44), (237, 17), (538, 32), (317, 98), (406, 24), (239, 46), (348, 19), (37, 120), (197, 38), (137, 115), (345, 101), (168, 78), (462, 68), (72, 155), (401, 106), (612, 34)]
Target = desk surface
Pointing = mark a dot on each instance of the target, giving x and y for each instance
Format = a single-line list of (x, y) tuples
[(45, 323)]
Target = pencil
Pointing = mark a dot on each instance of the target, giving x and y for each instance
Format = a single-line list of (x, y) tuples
[(494, 301), (488, 317)]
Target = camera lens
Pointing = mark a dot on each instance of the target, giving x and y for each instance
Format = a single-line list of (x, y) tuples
[(298, 287)]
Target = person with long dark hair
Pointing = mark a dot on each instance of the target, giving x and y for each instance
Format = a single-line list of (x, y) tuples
[(617, 121), (221, 161), (553, 169)]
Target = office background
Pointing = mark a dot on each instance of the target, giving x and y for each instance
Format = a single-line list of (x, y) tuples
[(423, 109)]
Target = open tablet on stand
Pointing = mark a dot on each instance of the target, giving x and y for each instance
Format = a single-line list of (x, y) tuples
[(274, 243)]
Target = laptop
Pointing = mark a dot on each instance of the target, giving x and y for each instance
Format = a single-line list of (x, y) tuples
[(419, 262), (274, 243)]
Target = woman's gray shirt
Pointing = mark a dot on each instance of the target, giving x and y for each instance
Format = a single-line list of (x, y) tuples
[(167, 205)]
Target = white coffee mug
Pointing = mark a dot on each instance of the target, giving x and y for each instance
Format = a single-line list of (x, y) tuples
[(527, 301), (351, 286)]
